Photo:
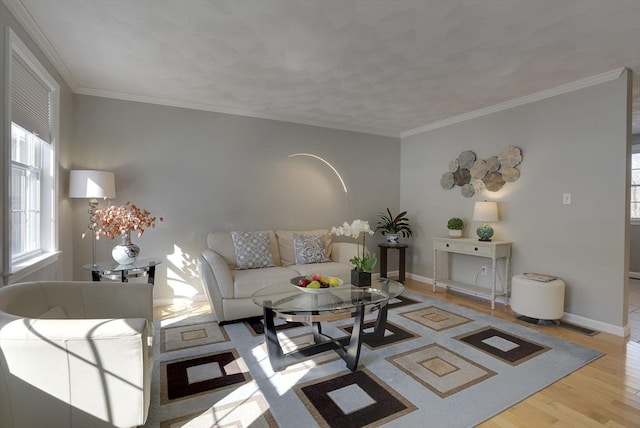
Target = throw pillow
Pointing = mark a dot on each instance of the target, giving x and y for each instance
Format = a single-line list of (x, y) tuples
[(309, 249), (252, 250)]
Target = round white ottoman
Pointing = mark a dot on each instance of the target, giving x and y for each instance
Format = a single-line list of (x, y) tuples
[(537, 299)]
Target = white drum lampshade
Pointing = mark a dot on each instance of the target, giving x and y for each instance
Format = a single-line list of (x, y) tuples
[(91, 184), (485, 212)]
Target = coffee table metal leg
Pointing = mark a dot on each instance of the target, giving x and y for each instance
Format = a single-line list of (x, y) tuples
[(317, 332), (274, 350), (381, 322), (353, 350)]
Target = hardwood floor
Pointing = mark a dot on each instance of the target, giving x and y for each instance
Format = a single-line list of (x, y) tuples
[(605, 393)]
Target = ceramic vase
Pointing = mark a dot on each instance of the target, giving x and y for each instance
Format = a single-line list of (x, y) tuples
[(360, 279), (126, 252), (453, 233), (393, 238)]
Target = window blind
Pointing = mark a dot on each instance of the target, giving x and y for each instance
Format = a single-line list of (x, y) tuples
[(30, 99)]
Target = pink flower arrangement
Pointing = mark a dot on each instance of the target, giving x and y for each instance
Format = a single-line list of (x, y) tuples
[(115, 221)]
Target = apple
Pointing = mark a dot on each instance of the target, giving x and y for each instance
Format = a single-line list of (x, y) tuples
[(303, 282), (314, 284), (317, 277)]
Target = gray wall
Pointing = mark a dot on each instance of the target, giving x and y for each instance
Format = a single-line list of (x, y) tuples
[(575, 143), (205, 171), (63, 268)]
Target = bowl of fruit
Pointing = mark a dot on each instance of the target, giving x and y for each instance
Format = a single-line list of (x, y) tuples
[(316, 283)]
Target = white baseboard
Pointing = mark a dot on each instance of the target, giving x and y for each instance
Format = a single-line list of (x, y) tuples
[(597, 325), (393, 274), (634, 275), (570, 318), (420, 278)]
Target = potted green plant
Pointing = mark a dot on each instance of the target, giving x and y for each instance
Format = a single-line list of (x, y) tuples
[(393, 226), (455, 226)]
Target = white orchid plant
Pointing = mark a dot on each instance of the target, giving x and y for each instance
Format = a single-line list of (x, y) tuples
[(355, 229)]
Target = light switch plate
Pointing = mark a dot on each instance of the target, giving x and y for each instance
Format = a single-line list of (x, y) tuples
[(566, 198)]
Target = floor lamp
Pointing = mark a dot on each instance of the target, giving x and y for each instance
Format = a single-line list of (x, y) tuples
[(92, 185)]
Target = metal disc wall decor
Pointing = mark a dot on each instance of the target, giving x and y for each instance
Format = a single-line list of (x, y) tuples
[(479, 169), (466, 159), (477, 175), (510, 157), (510, 174), (462, 176), (493, 164), (467, 190), (447, 182), (493, 181), (478, 186)]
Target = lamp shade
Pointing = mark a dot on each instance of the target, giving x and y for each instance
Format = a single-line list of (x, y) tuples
[(91, 184), (485, 211)]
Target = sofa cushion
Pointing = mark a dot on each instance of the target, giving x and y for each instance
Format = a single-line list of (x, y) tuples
[(252, 250), (222, 243), (309, 249), (287, 249), (247, 282)]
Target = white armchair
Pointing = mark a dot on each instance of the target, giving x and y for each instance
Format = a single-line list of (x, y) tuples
[(75, 354)]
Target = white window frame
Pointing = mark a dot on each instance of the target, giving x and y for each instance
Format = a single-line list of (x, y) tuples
[(635, 150), (18, 268)]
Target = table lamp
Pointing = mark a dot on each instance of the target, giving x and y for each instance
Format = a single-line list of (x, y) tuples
[(485, 212), (92, 185)]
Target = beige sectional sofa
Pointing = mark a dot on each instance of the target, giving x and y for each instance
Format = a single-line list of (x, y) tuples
[(229, 289)]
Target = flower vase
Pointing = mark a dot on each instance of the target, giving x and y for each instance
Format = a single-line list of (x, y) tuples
[(126, 252), (360, 279), (393, 238)]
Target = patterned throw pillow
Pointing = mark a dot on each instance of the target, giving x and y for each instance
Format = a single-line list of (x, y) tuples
[(309, 249), (252, 250)]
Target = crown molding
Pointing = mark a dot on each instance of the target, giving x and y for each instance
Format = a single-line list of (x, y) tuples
[(22, 15), (547, 93), (228, 110)]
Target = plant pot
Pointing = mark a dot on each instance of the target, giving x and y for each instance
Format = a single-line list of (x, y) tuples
[(393, 238), (455, 233), (126, 252), (360, 279)]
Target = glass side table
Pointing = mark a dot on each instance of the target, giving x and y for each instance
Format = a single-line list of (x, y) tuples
[(114, 271)]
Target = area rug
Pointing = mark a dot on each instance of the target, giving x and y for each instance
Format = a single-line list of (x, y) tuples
[(439, 365)]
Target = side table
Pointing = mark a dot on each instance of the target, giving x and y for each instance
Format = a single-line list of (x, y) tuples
[(114, 271), (383, 259)]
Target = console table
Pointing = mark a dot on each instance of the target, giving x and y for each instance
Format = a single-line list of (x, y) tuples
[(401, 259), (114, 271), (493, 250)]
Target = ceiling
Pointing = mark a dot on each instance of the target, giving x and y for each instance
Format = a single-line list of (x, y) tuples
[(387, 67)]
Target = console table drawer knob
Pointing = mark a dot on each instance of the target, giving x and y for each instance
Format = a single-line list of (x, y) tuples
[(447, 245), (475, 249)]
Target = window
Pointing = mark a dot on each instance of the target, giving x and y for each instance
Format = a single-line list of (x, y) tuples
[(635, 183), (33, 106)]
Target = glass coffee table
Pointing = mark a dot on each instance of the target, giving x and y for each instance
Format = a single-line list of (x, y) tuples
[(346, 301)]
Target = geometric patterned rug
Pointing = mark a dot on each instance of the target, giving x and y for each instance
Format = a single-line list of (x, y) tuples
[(439, 365)]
